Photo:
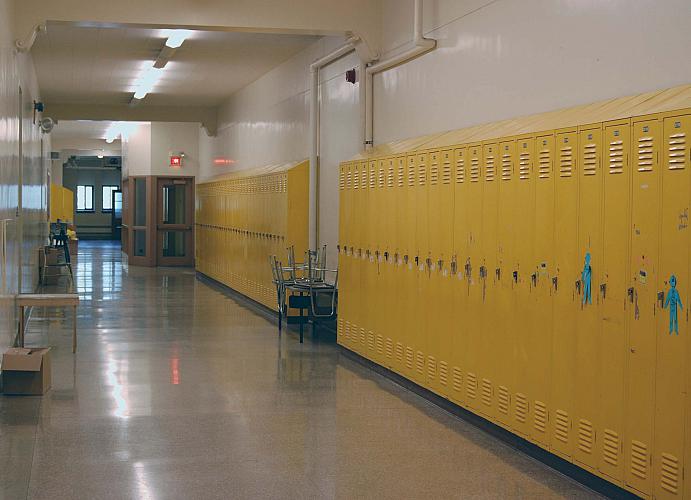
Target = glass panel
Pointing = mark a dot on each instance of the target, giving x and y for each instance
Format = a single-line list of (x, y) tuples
[(80, 198), (107, 197), (117, 197), (140, 202), (140, 243), (174, 243), (174, 204)]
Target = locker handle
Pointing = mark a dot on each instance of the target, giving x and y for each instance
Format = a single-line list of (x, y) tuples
[(454, 268), (603, 289), (497, 273), (630, 294), (661, 299), (440, 264), (483, 272), (578, 286), (533, 277), (417, 260), (386, 256), (554, 283), (468, 269), (515, 276)]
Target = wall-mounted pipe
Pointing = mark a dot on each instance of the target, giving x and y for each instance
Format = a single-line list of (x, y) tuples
[(421, 45), (347, 48), (25, 46)]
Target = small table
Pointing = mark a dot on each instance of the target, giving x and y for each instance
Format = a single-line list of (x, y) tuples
[(47, 300)]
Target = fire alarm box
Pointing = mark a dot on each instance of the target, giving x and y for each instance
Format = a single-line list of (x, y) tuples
[(176, 161)]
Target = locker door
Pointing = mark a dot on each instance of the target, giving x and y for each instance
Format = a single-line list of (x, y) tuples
[(346, 271), (586, 417), (475, 279), (446, 308), (616, 222), (342, 265), (672, 330), (487, 280), (460, 309), (525, 346), (359, 212), (410, 272), (422, 266), (370, 266), (386, 262), (543, 270), (401, 226), (507, 322), (432, 295), (568, 266)]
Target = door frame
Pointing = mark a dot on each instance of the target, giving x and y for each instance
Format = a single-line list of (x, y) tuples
[(188, 226)]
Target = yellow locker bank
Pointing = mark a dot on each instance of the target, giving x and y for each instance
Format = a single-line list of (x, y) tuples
[(536, 272)]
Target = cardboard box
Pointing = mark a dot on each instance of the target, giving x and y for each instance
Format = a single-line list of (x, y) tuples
[(26, 371)]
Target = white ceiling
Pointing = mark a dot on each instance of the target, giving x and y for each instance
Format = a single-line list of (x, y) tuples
[(83, 129), (97, 65)]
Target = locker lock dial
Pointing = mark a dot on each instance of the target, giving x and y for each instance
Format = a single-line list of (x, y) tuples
[(554, 282)]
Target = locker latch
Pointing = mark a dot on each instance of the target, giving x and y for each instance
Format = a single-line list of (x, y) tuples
[(417, 261), (629, 292), (454, 266), (515, 276), (578, 286), (483, 272), (661, 299), (406, 259), (497, 273), (603, 290), (554, 283), (468, 269), (440, 264), (386, 256), (533, 278)]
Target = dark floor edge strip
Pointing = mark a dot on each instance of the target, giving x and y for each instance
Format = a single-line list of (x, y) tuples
[(560, 465)]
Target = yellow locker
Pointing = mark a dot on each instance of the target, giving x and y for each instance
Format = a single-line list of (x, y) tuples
[(401, 225), (351, 281), (567, 264), (616, 222), (487, 276), (386, 267), (520, 154), (358, 225), (506, 323), (459, 314), (422, 256), (409, 300), (673, 286), (444, 271), (432, 293), (369, 266), (377, 186), (544, 285), (474, 273), (341, 334), (586, 418)]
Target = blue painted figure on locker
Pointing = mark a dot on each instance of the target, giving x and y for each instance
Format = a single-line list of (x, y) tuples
[(586, 278), (673, 300)]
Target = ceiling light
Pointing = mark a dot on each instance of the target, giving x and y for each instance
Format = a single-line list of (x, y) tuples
[(177, 37), (100, 155), (146, 81)]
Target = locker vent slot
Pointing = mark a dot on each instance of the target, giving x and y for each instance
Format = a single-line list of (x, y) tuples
[(446, 173), (363, 178), (431, 368), (489, 168), (371, 342), (589, 159), (379, 342), (352, 180), (457, 379), (401, 174), (399, 352), (524, 166), (372, 177), (503, 400), (506, 167), (340, 333), (474, 169), (610, 447), (460, 169), (645, 154), (382, 177), (363, 338), (522, 408), (434, 174), (639, 459), (420, 362), (409, 358), (487, 392), (347, 332), (566, 162), (585, 436), (341, 180), (677, 151), (443, 373), (389, 348), (540, 421), (391, 175), (471, 385), (545, 161), (670, 473), (561, 426), (421, 175), (616, 157), (411, 175)]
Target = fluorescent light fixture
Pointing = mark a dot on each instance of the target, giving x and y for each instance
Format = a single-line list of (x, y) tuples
[(177, 37), (120, 129), (146, 81), (100, 154)]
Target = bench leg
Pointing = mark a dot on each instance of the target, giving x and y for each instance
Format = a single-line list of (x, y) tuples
[(74, 330)]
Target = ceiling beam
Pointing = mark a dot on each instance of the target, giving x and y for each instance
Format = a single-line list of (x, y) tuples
[(207, 116), (311, 17)]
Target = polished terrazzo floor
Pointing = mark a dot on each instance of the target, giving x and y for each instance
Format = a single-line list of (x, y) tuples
[(177, 391)]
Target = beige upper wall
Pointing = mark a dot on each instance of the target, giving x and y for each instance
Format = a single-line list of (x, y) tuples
[(147, 150)]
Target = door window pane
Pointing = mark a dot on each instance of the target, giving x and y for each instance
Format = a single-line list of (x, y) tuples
[(85, 198), (174, 243), (140, 243), (174, 204), (140, 202)]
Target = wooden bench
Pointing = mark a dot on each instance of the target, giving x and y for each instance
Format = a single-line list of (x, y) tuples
[(47, 300)]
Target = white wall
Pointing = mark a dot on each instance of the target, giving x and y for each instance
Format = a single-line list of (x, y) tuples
[(495, 60), (136, 151), (146, 150)]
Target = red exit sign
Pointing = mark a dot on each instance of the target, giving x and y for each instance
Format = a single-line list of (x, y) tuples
[(176, 161)]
